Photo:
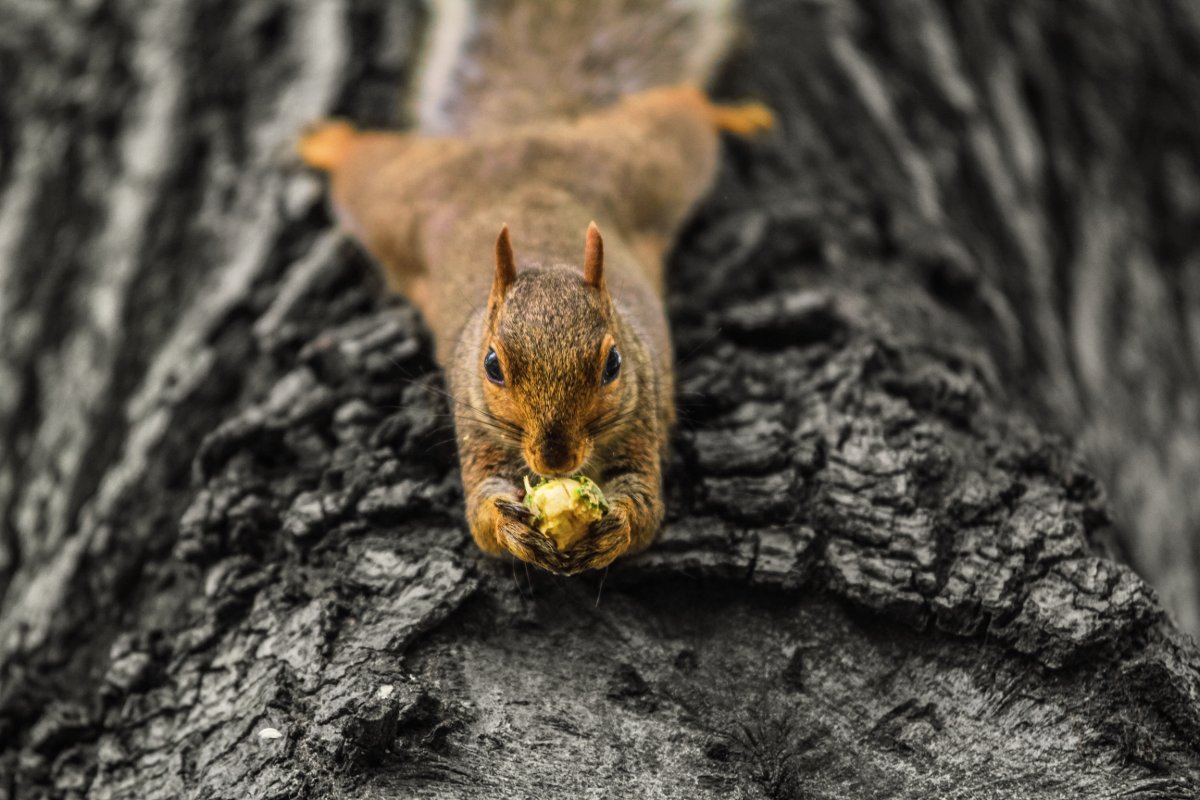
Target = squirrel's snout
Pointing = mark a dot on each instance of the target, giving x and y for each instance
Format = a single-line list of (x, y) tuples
[(555, 456)]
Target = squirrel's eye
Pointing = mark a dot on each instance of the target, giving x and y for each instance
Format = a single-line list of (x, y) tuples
[(491, 366), (612, 366)]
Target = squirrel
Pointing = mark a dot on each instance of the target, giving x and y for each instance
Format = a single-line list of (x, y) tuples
[(535, 251)]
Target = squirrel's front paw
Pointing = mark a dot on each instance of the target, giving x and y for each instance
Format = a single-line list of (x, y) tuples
[(606, 539), (515, 534)]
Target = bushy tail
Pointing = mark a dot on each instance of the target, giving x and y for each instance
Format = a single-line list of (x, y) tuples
[(497, 63)]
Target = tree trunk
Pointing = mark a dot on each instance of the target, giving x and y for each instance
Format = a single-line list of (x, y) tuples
[(232, 555)]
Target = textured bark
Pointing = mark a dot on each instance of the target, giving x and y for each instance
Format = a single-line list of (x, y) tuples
[(228, 498)]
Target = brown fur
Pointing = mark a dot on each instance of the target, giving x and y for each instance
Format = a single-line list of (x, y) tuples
[(553, 302)]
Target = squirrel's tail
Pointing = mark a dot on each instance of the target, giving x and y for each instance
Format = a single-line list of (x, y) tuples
[(497, 63)]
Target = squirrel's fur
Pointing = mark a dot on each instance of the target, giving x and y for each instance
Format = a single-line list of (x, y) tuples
[(550, 299)]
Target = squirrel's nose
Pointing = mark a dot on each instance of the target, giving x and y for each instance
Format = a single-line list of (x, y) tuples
[(555, 454), (552, 455)]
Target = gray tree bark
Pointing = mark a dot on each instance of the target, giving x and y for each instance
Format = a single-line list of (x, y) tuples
[(232, 559)]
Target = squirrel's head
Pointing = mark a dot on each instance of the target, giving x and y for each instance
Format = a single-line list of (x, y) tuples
[(551, 359)]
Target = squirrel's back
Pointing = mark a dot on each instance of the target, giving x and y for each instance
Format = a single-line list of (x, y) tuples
[(498, 63)]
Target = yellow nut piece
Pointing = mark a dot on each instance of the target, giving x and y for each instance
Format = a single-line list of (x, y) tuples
[(563, 508)]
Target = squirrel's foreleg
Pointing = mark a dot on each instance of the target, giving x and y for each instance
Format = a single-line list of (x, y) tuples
[(500, 523), (635, 513)]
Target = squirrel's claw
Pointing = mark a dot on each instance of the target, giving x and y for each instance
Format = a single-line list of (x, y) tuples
[(515, 535), (515, 510), (607, 539)]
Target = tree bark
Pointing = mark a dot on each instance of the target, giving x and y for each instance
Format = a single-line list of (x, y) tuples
[(232, 555)]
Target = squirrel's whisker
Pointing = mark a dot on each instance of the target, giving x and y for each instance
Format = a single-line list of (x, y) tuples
[(497, 422), (610, 421), (679, 362)]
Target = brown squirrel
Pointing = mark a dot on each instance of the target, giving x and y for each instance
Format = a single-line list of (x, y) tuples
[(557, 353)]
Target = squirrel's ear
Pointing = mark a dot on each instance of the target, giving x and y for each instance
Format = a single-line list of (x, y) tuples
[(593, 258), (506, 265)]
